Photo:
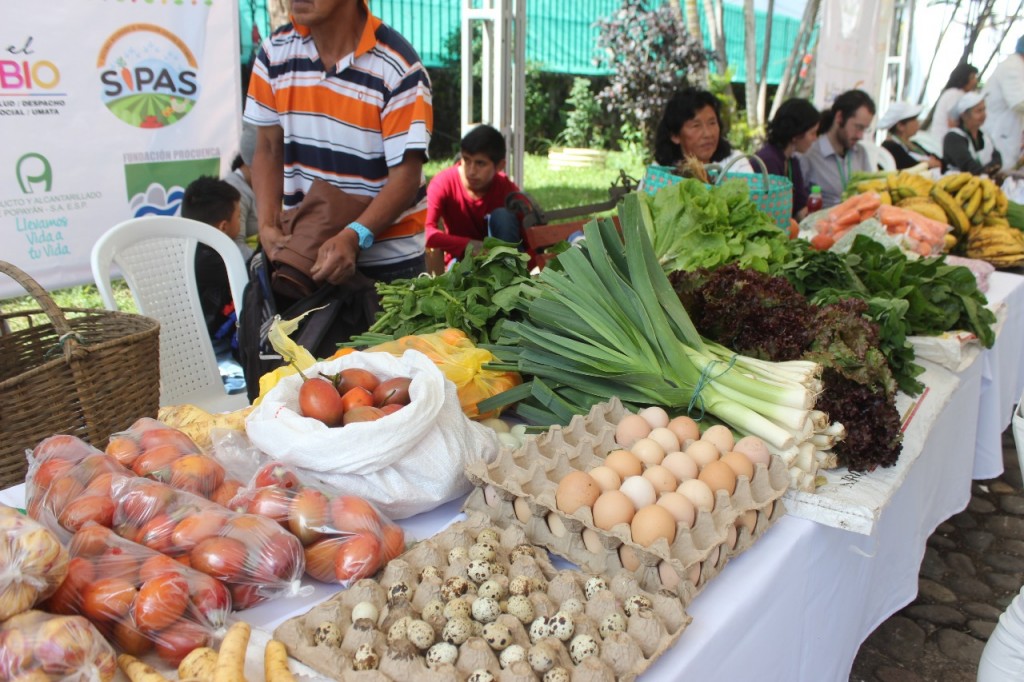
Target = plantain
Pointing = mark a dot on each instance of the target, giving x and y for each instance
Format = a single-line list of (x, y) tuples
[(992, 220), (1002, 203), (954, 181), (925, 207), (972, 204), (955, 215), (965, 192), (949, 241), (885, 198)]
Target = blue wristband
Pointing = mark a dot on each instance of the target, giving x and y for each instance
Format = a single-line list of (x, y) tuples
[(365, 236)]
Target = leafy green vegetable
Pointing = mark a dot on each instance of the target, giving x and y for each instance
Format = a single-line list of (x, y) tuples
[(476, 295)]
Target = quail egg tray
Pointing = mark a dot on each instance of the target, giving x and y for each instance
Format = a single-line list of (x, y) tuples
[(519, 488), (526, 621)]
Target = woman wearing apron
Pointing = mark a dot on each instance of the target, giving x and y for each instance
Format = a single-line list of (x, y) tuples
[(965, 148)]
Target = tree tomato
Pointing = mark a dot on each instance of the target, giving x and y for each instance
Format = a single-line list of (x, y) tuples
[(92, 509), (130, 640), (277, 561), (191, 530), (145, 500), (161, 437), (356, 397), (358, 557), (244, 596), (158, 564), (197, 474), (156, 533), (391, 408), (275, 474), (161, 601), (356, 377), (61, 492), (67, 599), (177, 641), (318, 399), (363, 413), (107, 599), (49, 471), (91, 541), (307, 517), (61, 446), (273, 503), (125, 450), (392, 392), (156, 462), (210, 597), (226, 492), (393, 541), (351, 514), (320, 559), (221, 557), (95, 465)]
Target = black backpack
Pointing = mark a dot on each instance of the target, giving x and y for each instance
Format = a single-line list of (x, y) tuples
[(344, 311)]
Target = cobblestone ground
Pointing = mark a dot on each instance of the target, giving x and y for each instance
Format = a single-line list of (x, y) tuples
[(972, 568)]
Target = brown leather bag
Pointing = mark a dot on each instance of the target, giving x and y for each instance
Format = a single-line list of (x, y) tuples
[(323, 212)]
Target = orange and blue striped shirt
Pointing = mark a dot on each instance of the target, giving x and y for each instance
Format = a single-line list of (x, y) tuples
[(347, 125)]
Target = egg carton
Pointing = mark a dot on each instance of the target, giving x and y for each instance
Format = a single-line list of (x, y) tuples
[(410, 624), (519, 488)]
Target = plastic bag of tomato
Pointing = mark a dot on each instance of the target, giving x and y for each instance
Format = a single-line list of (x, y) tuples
[(70, 485), (138, 598)]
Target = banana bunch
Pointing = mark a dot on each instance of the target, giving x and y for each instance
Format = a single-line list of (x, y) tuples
[(999, 244), (894, 187), (968, 200)]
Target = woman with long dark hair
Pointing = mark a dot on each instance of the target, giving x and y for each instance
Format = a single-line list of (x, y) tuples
[(963, 79), (793, 130), (692, 126)]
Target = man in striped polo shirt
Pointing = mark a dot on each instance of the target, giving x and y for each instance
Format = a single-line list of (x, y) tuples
[(342, 97)]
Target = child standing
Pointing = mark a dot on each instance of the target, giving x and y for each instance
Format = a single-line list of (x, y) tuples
[(466, 202)]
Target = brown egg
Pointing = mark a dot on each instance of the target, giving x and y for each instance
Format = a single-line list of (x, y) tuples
[(754, 448), (630, 429), (651, 523), (684, 428), (576, 489), (680, 507), (740, 464), (661, 478), (698, 492), (624, 463), (628, 558), (648, 451), (681, 465), (719, 476), (655, 416), (720, 435), (668, 575), (665, 438), (611, 509), (606, 478), (702, 452)]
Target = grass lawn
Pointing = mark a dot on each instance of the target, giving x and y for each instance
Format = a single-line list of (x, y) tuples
[(551, 189)]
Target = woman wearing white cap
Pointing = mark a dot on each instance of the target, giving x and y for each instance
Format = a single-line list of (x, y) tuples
[(965, 148), (900, 119)]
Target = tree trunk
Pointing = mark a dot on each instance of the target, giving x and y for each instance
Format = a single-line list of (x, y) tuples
[(1006, 32), (676, 10), (713, 12), (986, 12), (938, 45), (693, 20), (762, 83), (750, 60), (807, 23)]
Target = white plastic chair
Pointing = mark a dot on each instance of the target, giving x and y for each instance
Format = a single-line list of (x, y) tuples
[(879, 156), (156, 254)]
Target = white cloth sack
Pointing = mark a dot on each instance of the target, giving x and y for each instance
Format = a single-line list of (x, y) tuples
[(1018, 430), (405, 463)]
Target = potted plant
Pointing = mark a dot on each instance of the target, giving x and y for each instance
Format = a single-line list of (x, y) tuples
[(572, 148)]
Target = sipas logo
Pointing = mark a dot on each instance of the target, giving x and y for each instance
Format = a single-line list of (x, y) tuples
[(149, 76)]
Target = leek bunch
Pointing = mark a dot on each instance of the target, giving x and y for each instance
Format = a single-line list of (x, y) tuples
[(608, 323)]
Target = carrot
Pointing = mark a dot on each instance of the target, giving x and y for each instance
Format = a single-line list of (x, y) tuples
[(848, 217), (822, 242), (137, 671), (275, 663), (231, 657), (794, 228)]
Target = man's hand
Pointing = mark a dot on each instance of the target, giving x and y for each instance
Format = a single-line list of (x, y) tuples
[(272, 239), (336, 259), (474, 246)]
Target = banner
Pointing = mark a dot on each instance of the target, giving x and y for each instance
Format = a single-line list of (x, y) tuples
[(108, 110), (852, 48)]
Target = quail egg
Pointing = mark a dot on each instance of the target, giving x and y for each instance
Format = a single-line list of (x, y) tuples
[(521, 607), (520, 585), (433, 609), (454, 587), (327, 633), (480, 676), (364, 609), (365, 658), (483, 551), (457, 608), (457, 630), (420, 634), (431, 572), (594, 585), (457, 554), (572, 605), (399, 629), (557, 675), (498, 568), (520, 551), (442, 653), (485, 609), (511, 654), (399, 591), (539, 629), (581, 647), (479, 570), (613, 622), (541, 658), (637, 603), (491, 588), (562, 626), (497, 636), (489, 536)]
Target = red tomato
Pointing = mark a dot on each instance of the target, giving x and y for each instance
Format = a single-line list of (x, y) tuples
[(356, 397), (210, 597), (307, 518), (318, 399), (125, 450), (161, 437), (107, 599), (226, 492), (221, 557), (197, 474), (392, 392), (177, 641), (356, 377), (363, 413), (191, 530), (156, 462), (67, 599), (275, 474), (393, 541), (160, 602), (49, 471), (92, 509), (156, 533), (129, 639), (91, 541), (351, 514), (358, 557), (320, 559), (158, 564)]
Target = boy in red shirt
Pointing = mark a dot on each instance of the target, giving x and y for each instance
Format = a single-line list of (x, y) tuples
[(466, 202)]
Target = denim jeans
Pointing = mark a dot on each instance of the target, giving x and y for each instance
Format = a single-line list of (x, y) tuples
[(502, 224), (392, 271)]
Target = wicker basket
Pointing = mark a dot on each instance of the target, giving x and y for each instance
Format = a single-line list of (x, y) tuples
[(85, 372)]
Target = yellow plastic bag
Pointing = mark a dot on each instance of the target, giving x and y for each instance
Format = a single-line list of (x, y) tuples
[(461, 362)]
